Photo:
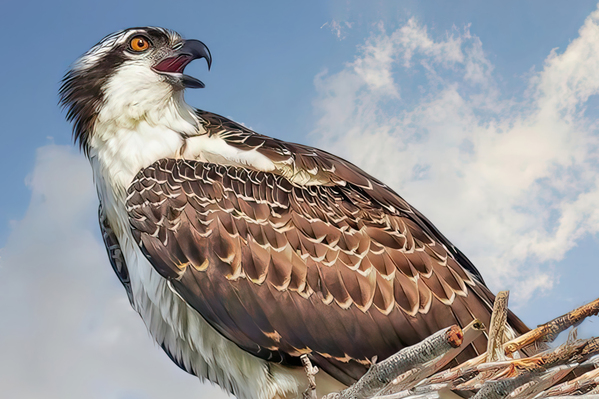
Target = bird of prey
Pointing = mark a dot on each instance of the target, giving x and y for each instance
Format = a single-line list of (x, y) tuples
[(242, 252)]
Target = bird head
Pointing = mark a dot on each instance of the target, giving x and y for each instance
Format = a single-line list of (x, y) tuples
[(128, 76)]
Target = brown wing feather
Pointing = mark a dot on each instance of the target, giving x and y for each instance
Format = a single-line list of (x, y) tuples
[(283, 270), (329, 169)]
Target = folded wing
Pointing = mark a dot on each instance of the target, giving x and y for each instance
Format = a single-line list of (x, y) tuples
[(283, 270)]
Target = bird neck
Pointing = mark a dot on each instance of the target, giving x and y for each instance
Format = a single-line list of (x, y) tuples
[(128, 138)]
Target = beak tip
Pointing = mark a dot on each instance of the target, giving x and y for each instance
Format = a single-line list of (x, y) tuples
[(198, 50), (208, 58)]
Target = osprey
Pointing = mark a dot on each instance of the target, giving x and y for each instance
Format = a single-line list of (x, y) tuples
[(242, 252)]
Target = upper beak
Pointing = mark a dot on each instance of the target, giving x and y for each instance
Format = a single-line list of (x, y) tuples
[(175, 64)]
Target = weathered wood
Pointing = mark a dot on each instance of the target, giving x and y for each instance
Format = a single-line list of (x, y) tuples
[(549, 331), (591, 347), (310, 392), (534, 367), (497, 328), (589, 379), (570, 352), (460, 371), (587, 396), (413, 373), (471, 332), (381, 374), (538, 385), (501, 389)]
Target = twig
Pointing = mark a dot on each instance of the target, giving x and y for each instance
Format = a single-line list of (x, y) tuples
[(586, 396), (310, 392), (413, 373), (501, 389), (572, 352), (497, 328), (531, 371), (471, 332), (552, 376), (549, 331), (381, 374), (590, 378)]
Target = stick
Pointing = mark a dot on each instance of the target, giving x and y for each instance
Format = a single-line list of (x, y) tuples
[(569, 352), (585, 396), (545, 381), (556, 325), (497, 328), (381, 374), (501, 389), (531, 370), (549, 331), (471, 332), (311, 371), (587, 379)]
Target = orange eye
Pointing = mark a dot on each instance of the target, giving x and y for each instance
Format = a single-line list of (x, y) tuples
[(139, 43)]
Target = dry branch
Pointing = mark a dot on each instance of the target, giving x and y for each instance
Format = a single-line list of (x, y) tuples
[(585, 382), (381, 374), (549, 331), (311, 371), (501, 389), (538, 385), (497, 327), (576, 397), (413, 373), (471, 332)]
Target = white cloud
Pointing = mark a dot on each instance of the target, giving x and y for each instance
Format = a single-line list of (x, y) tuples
[(338, 28), (413, 38), (67, 328), (513, 182)]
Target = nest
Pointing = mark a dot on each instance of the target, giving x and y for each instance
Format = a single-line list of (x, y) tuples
[(504, 371)]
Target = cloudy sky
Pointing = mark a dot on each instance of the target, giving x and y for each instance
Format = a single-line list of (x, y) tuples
[(482, 116)]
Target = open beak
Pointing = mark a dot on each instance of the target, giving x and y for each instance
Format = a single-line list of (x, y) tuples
[(175, 64)]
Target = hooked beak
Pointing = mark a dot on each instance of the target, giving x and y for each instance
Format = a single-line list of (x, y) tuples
[(175, 65)]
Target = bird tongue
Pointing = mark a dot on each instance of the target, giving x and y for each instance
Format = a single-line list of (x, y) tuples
[(174, 64), (177, 64)]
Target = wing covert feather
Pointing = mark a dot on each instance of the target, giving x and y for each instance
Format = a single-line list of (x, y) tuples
[(283, 270)]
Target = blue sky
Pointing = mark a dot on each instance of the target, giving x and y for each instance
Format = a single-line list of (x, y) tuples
[(483, 116)]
